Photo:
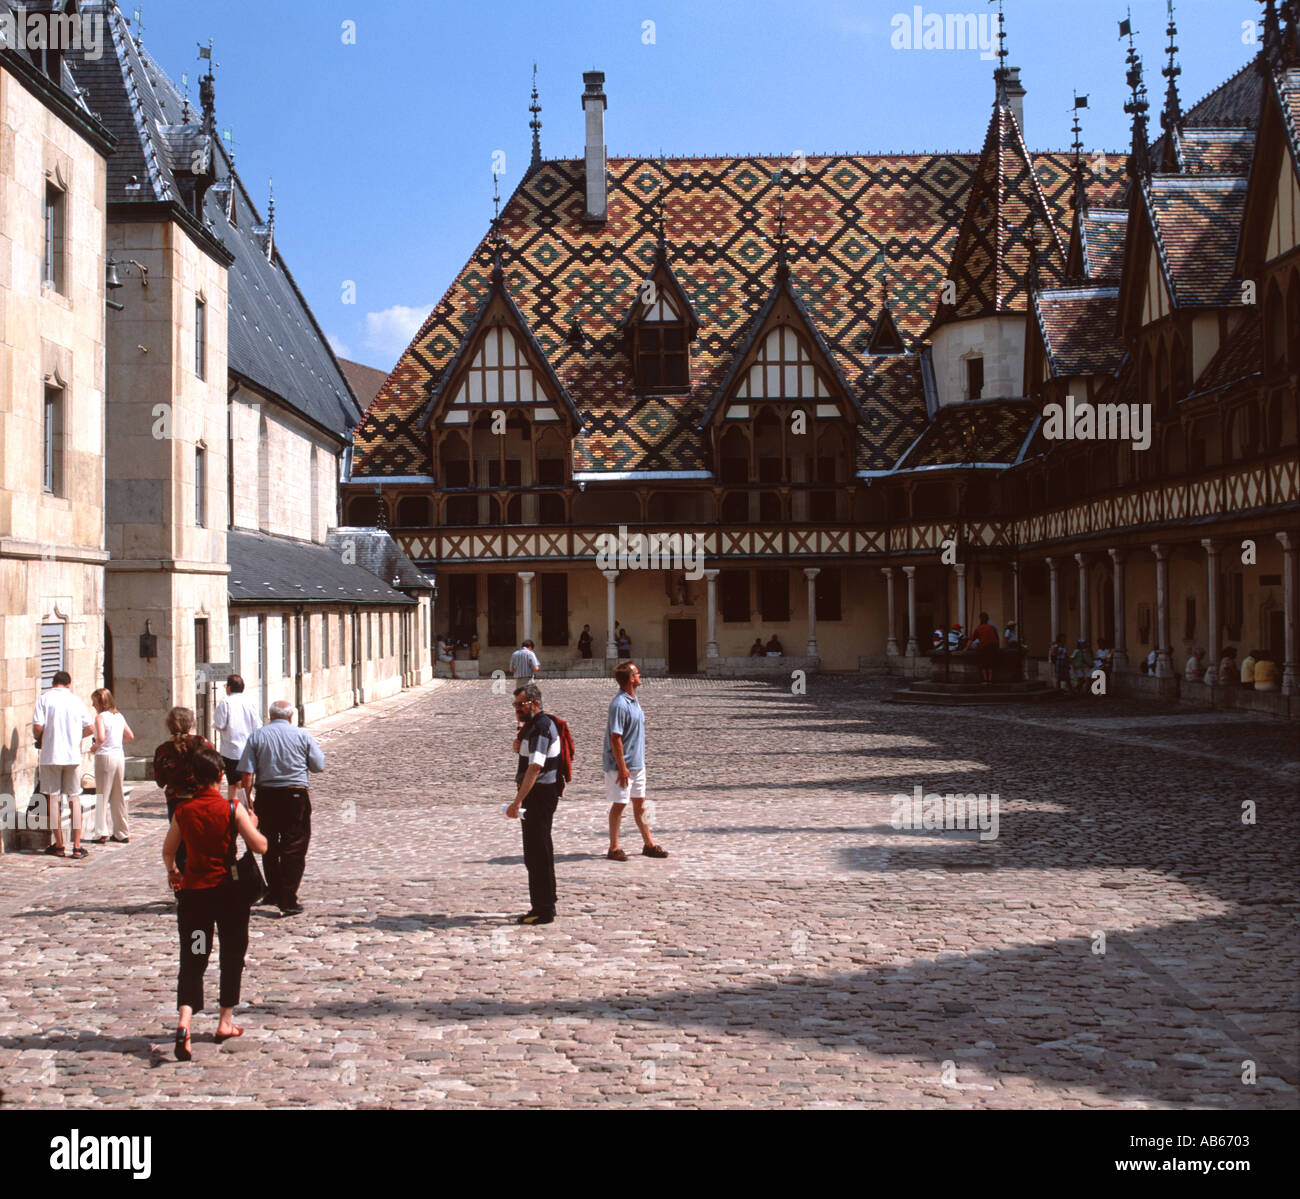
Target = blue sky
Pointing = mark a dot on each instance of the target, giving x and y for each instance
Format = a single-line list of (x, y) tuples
[(382, 150)]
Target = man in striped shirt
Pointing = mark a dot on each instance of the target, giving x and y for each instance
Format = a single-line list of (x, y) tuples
[(536, 792)]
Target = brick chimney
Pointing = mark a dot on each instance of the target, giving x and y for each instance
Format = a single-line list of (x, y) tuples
[(593, 104), (1016, 98)]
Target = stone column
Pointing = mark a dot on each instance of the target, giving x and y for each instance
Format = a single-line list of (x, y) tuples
[(527, 576), (911, 650), (1290, 587), (1015, 599), (711, 647), (1211, 548), (1119, 659), (810, 573), (1164, 668), (1084, 631), (1054, 592), (891, 642), (611, 644), (960, 568)]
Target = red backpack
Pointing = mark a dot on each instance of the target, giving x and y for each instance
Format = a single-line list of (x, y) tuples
[(564, 771)]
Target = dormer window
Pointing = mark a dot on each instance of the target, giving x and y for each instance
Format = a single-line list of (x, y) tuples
[(660, 349)]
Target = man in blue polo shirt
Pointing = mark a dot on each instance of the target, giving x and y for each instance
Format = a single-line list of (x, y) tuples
[(623, 760)]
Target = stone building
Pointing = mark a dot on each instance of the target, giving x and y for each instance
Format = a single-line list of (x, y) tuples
[(836, 373), (53, 155)]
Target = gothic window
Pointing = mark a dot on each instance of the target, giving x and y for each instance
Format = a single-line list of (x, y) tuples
[(783, 370), (1293, 322)]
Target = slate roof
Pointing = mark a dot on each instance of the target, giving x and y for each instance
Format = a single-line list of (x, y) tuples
[(1079, 330), (274, 341), (1197, 222), (720, 219), (273, 569), (377, 552), (1103, 233), (983, 432)]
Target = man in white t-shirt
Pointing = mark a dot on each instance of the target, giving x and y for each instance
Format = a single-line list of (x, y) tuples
[(235, 720), (61, 722)]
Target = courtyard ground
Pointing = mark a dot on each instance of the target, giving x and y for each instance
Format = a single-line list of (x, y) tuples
[(1126, 940)]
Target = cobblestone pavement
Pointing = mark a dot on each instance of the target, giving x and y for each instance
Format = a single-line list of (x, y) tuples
[(795, 949)]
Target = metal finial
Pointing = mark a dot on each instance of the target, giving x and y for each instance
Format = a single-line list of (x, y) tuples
[(1136, 106), (660, 204), (781, 264), (139, 28), (1080, 163), (1172, 116), (1000, 75), (536, 124), (270, 203), (497, 272)]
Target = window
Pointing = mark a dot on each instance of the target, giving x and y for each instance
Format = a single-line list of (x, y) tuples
[(827, 589), (734, 593), (774, 595), (1233, 604), (200, 339), (554, 590), (286, 648), (306, 643), (782, 370), (381, 634), (343, 649), (499, 373), (974, 378), (234, 646), (51, 653), (52, 453), (54, 267), (200, 485), (324, 641)]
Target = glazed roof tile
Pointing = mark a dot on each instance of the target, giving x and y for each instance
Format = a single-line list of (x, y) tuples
[(1078, 328)]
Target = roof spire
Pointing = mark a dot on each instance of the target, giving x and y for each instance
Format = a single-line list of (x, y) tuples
[(1272, 32), (270, 220), (1172, 117), (139, 28), (495, 237), (661, 234), (1000, 74), (535, 125), (1136, 105), (1080, 163), (208, 88)]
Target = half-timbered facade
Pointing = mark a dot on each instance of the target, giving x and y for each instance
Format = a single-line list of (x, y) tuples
[(837, 375)]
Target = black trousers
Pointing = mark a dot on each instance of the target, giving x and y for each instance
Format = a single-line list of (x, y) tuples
[(196, 913), (284, 819), (539, 853)]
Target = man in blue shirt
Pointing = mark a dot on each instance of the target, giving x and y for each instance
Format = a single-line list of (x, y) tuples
[(623, 760), (280, 755), (537, 793)]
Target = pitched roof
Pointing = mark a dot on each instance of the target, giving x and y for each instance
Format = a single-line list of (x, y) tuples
[(1218, 151), (267, 569), (1103, 231), (274, 341), (365, 381), (1197, 221), (376, 551), (990, 264), (1234, 104), (1078, 328), (980, 432), (720, 216)]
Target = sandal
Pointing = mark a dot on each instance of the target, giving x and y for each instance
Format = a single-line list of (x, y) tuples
[(54, 851), (182, 1046), (226, 1036), (80, 852), (654, 851), (616, 855)]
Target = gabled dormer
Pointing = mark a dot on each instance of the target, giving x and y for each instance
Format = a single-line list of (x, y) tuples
[(658, 330), (885, 337)]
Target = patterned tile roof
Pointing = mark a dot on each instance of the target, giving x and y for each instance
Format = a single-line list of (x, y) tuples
[(1287, 84), (1103, 233), (991, 432), (1078, 328), (1218, 151), (1238, 358), (1197, 221), (720, 216)]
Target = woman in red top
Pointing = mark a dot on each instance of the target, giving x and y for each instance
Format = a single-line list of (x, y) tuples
[(204, 896)]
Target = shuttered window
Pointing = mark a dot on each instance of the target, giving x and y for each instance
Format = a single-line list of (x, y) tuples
[(51, 653)]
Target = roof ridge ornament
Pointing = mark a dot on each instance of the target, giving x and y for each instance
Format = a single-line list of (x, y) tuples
[(208, 87), (1000, 94), (1136, 106), (1172, 116), (782, 263), (535, 125), (1080, 198), (494, 237)]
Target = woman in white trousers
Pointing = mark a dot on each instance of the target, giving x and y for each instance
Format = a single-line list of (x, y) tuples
[(111, 734)]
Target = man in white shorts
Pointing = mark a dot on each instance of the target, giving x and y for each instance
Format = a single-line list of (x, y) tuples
[(62, 721), (623, 760)]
